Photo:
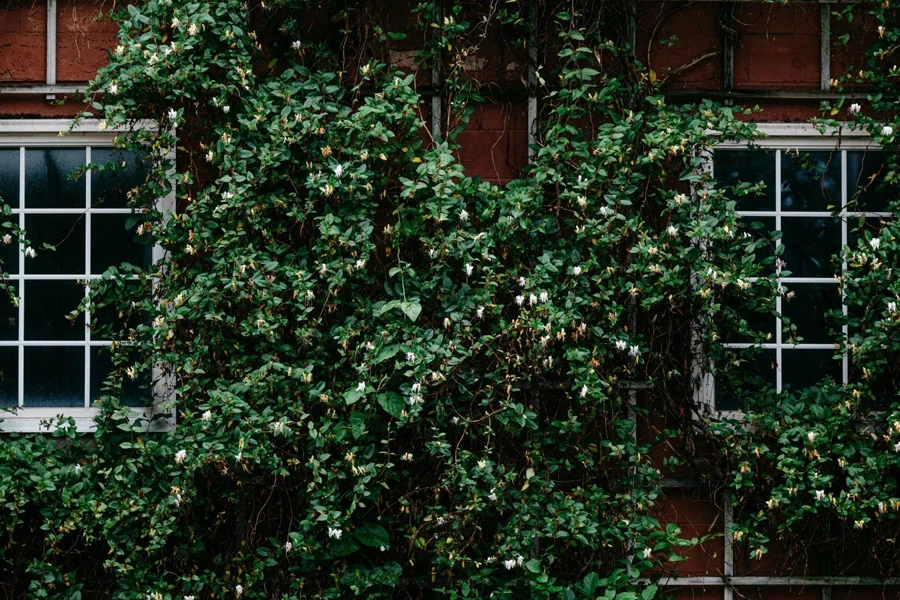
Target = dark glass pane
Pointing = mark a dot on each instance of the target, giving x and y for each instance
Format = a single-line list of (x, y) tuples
[(806, 304), (135, 392), (9, 313), (9, 255), (747, 168), (803, 368), (858, 225), (54, 377), (755, 312), (884, 385), (755, 371), (120, 315), (865, 188), (810, 244), (66, 233), (110, 186), (112, 244), (9, 176), (810, 180), (9, 377), (759, 230), (47, 181), (47, 304)]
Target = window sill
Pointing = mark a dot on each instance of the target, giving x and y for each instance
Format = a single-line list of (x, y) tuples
[(40, 420)]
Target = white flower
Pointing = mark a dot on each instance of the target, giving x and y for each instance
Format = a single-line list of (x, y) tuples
[(520, 559), (648, 552), (855, 109), (410, 356), (811, 436), (447, 322), (584, 391), (576, 270), (226, 109), (77, 468), (7, 239), (338, 171), (120, 50), (407, 457), (544, 297), (288, 546), (604, 211), (29, 252), (480, 312), (206, 416), (238, 589), (360, 263), (188, 598), (520, 299), (482, 464), (469, 269), (621, 344), (820, 494), (672, 230), (680, 199), (193, 29), (180, 456), (335, 533), (323, 268), (881, 31), (493, 496), (892, 307), (463, 215), (887, 130), (532, 299), (431, 252), (173, 114), (416, 388), (875, 242), (296, 45), (509, 564), (522, 281), (361, 386), (113, 88), (582, 201), (102, 125), (634, 350)]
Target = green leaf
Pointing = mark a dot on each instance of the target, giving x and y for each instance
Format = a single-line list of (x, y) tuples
[(533, 565), (411, 310), (649, 592), (374, 535), (392, 403)]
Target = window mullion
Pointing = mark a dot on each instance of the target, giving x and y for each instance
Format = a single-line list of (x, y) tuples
[(21, 289), (844, 206), (778, 334), (87, 270)]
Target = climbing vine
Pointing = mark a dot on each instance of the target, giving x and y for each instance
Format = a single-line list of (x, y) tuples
[(391, 378)]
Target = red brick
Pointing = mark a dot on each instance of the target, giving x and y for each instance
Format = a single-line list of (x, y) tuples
[(779, 593), (80, 55), (81, 16), (37, 107), (714, 593), (23, 58), (865, 593), (23, 16), (778, 47), (494, 146)]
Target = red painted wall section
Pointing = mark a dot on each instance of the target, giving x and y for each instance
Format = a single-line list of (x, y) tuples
[(83, 39), (494, 146), (777, 47), (693, 59), (23, 42)]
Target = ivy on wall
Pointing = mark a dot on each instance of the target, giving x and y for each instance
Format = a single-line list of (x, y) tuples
[(397, 380)]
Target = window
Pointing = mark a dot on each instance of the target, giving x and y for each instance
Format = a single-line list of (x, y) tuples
[(50, 364), (818, 191)]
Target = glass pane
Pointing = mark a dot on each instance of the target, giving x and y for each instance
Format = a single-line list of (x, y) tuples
[(9, 176), (810, 244), (9, 255), (806, 304), (120, 315), (9, 377), (759, 230), (47, 304), (110, 186), (66, 232), (858, 225), (47, 181), (810, 180), (112, 244), (865, 188), (54, 377), (9, 313), (755, 312), (755, 371), (135, 392), (746, 168), (803, 368)]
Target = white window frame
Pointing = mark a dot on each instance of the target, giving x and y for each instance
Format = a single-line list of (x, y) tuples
[(159, 416), (782, 137)]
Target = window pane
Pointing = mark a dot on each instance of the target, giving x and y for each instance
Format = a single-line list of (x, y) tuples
[(119, 315), (9, 256), (750, 167), (803, 368), (47, 181), (9, 313), (134, 392), (759, 229), (66, 232), (757, 369), (9, 176), (110, 187), (9, 377), (810, 244), (47, 304), (810, 181), (755, 312), (54, 377), (112, 244), (865, 178), (806, 305)]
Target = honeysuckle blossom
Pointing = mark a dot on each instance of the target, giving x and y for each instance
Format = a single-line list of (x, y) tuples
[(410, 356), (584, 391), (482, 464), (493, 496), (811, 436), (897, 447), (180, 456), (360, 263), (634, 350), (680, 199), (113, 88), (407, 457), (576, 270), (522, 282), (621, 344), (464, 215), (582, 201), (296, 45), (887, 130), (532, 299), (188, 598), (881, 31), (7, 239), (469, 269), (29, 252), (416, 388), (239, 589), (335, 533), (672, 230), (520, 299), (820, 494), (509, 564), (875, 243), (480, 312), (173, 114), (544, 297), (648, 552), (361, 386), (338, 171), (288, 546), (892, 307), (447, 323), (206, 416), (226, 109), (855, 108)]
